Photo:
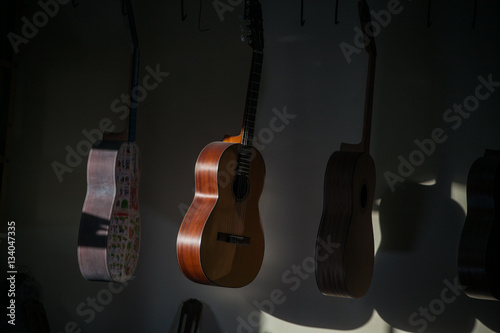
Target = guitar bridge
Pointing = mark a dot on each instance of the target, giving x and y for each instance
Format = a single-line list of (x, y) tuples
[(233, 239)]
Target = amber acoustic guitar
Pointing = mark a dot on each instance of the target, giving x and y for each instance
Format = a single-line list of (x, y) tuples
[(109, 236), (348, 198), (479, 249), (220, 241)]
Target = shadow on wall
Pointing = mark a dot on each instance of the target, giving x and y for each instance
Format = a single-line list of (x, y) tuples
[(415, 285), (27, 313)]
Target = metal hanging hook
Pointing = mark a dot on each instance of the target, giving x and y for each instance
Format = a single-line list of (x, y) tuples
[(474, 15), (302, 21), (429, 14), (183, 15), (199, 18), (336, 11), (130, 24)]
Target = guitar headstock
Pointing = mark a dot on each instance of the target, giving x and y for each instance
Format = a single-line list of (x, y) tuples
[(253, 18), (365, 18)]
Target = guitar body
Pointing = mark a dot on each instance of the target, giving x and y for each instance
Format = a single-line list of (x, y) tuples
[(220, 241), (346, 270), (109, 236), (479, 250), (346, 221)]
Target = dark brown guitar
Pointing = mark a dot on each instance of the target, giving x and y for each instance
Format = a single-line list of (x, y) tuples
[(220, 241), (190, 316), (109, 236), (479, 249), (348, 198)]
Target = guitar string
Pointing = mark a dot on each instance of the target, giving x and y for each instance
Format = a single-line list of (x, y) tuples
[(244, 156)]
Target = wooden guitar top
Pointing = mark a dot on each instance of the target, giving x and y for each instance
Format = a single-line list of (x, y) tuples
[(221, 241)]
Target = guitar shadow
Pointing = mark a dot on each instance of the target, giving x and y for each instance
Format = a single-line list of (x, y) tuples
[(421, 227), (93, 231)]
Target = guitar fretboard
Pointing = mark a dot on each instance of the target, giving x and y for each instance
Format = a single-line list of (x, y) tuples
[(133, 95), (244, 159), (245, 151), (364, 13), (134, 68)]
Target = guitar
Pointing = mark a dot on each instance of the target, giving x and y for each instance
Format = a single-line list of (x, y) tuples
[(479, 249), (190, 316), (348, 198), (220, 241), (109, 235)]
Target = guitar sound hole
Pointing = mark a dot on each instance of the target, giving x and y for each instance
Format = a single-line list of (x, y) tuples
[(363, 198), (241, 187)]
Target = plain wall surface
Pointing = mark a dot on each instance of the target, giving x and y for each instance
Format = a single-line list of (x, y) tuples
[(77, 65)]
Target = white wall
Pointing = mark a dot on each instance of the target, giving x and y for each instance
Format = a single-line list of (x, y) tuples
[(77, 65)]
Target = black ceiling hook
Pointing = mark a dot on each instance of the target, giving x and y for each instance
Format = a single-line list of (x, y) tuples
[(429, 14), (130, 23), (302, 21), (199, 18), (336, 11), (183, 15), (474, 15)]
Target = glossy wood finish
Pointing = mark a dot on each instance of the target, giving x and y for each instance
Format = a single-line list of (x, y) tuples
[(479, 249), (220, 241), (202, 257), (233, 138), (346, 268)]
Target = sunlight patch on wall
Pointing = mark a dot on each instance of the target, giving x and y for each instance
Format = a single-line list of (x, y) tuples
[(429, 182), (377, 234), (479, 327), (270, 324), (459, 194)]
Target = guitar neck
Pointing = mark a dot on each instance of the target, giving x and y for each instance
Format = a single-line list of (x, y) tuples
[(252, 99), (367, 121), (133, 95), (245, 151), (134, 68), (364, 145), (128, 134)]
